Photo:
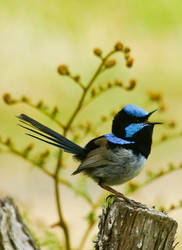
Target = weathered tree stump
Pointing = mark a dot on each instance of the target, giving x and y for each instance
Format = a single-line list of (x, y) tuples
[(124, 227), (14, 235)]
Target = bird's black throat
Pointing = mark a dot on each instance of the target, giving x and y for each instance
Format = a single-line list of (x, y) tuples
[(143, 140)]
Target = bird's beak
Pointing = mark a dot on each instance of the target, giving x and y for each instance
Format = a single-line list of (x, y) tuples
[(150, 113), (153, 123)]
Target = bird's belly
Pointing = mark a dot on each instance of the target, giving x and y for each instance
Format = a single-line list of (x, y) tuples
[(123, 167), (119, 174)]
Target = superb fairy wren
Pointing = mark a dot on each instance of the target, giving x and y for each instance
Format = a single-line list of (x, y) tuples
[(110, 159)]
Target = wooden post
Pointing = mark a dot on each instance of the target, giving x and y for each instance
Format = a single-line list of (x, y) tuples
[(123, 227), (14, 235)]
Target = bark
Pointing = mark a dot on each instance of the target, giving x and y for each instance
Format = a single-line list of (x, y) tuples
[(14, 235), (124, 227)]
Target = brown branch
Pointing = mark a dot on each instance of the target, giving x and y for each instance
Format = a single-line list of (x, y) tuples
[(63, 223), (91, 225), (132, 187), (165, 138), (18, 153), (85, 236), (58, 167), (45, 113), (99, 94), (80, 84), (8, 99), (85, 91)]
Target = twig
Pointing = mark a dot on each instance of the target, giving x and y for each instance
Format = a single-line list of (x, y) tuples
[(63, 223), (87, 89), (66, 129), (45, 113), (85, 236), (16, 152)]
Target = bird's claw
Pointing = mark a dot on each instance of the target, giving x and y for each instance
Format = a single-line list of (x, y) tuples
[(129, 201), (110, 197)]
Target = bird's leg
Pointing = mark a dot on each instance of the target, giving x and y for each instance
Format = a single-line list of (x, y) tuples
[(113, 191), (120, 195)]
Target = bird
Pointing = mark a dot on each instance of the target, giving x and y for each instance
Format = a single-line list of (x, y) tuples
[(110, 159)]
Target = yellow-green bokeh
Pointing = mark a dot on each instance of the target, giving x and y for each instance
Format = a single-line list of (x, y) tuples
[(38, 35)]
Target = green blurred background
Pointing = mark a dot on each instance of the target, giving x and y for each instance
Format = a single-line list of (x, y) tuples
[(36, 36)]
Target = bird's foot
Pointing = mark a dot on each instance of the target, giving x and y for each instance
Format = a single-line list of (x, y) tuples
[(122, 196), (111, 196), (129, 201)]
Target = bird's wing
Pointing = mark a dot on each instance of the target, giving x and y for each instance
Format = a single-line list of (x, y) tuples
[(96, 157)]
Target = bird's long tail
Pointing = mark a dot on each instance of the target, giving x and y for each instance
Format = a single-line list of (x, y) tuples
[(50, 135)]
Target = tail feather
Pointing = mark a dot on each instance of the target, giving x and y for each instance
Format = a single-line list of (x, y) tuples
[(54, 138)]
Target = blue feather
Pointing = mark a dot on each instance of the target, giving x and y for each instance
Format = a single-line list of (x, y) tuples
[(133, 128), (114, 139), (134, 110)]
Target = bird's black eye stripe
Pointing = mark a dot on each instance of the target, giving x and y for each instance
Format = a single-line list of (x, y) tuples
[(137, 120)]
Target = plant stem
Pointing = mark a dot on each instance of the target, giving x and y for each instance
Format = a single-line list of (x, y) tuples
[(91, 225), (58, 167), (62, 224), (44, 112), (85, 236), (97, 72)]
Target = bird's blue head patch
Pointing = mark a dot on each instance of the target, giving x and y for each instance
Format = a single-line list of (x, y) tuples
[(133, 128), (134, 110), (116, 140)]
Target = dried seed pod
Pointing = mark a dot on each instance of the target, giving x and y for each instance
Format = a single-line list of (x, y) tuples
[(93, 92), (55, 111), (76, 78), (164, 137), (162, 107), (110, 63), (40, 104), (103, 118), (25, 99), (27, 150), (118, 83), (8, 99), (171, 166), (129, 62), (172, 124), (109, 85), (132, 185), (100, 87), (63, 69), (8, 142), (46, 153), (155, 96), (132, 84), (161, 208), (127, 56), (127, 49), (172, 207), (97, 52), (118, 46), (161, 172)]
